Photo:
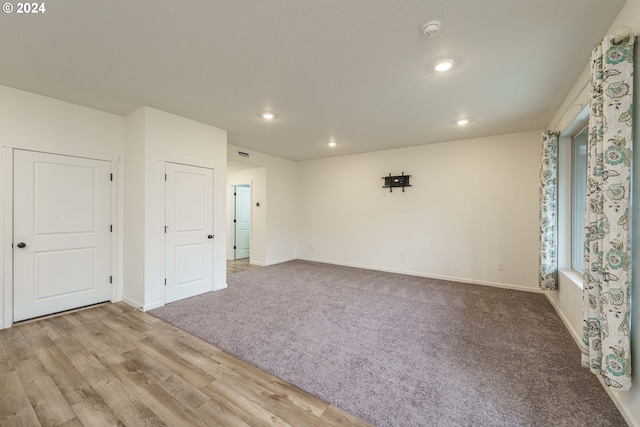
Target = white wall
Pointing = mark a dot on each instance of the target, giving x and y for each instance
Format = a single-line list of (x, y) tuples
[(568, 298), (257, 179), (472, 204), (134, 209), (36, 122), (165, 137), (282, 210), (280, 204), (152, 137)]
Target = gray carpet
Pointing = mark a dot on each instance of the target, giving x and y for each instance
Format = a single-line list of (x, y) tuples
[(404, 351)]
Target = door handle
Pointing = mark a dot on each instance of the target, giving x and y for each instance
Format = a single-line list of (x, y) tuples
[(22, 245), (210, 236)]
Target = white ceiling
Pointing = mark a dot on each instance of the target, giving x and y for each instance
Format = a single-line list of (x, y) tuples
[(354, 70)]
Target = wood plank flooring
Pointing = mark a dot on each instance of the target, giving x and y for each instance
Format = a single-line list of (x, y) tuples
[(238, 265), (112, 365)]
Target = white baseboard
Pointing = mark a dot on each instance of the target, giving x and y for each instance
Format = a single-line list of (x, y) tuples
[(219, 287), (621, 407), (430, 276), (280, 261), (151, 306), (576, 337), (133, 303), (574, 334), (264, 264), (1, 326)]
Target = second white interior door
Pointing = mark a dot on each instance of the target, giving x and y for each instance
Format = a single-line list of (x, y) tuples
[(189, 231), (242, 221)]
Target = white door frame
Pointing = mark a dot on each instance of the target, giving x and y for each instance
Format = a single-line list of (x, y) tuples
[(6, 218)]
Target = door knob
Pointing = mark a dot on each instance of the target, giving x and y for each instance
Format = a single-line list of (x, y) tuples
[(210, 236), (22, 245)]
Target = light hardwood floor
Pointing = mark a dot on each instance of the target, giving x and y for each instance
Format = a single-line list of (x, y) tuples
[(236, 266), (112, 365)]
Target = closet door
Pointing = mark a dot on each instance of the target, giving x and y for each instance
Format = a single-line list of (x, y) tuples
[(189, 231), (61, 236)]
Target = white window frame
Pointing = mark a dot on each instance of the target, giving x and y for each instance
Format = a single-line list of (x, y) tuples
[(577, 203), (565, 200)]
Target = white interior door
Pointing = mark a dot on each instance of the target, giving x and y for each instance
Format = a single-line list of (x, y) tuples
[(189, 231), (61, 241), (242, 221)]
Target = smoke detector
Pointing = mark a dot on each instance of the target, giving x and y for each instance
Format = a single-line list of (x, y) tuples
[(431, 28)]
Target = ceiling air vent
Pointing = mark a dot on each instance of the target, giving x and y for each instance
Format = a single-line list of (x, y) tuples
[(243, 154)]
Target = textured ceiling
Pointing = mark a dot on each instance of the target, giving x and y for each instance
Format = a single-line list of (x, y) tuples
[(354, 70)]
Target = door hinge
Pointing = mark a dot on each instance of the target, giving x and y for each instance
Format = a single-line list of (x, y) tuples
[(110, 279), (234, 220), (235, 194), (110, 177), (165, 282), (165, 229), (165, 176), (234, 247), (111, 228)]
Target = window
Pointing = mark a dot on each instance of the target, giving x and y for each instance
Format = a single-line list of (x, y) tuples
[(578, 197)]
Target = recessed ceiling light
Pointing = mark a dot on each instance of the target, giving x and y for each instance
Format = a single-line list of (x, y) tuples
[(443, 65), (332, 143), (268, 115), (463, 122)]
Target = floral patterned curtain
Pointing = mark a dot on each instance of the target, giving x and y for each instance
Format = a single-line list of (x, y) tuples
[(548, 260), (607, 264)]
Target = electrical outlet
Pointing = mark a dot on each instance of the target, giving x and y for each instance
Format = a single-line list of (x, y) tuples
[(500, 266)]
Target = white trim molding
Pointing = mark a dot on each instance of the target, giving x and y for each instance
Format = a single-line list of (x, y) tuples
[(133, 303), (535, 290)]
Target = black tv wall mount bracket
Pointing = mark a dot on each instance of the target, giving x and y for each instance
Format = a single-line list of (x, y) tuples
[(401, 180)]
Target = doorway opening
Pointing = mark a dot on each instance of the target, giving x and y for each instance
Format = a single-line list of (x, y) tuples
[(241, 221)]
